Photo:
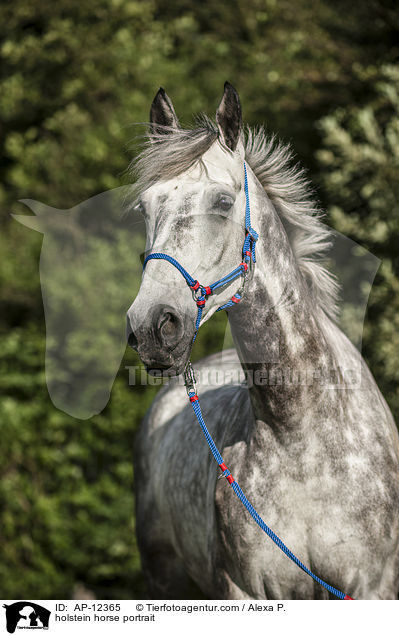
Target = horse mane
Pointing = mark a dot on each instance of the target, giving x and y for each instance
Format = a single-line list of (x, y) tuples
[(289, 190), (166, 156)]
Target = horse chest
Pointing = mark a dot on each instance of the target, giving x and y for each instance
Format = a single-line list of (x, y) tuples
[(327, 516)]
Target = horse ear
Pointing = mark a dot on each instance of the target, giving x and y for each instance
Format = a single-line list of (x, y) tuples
[(42, 213), (32, 222), (228, 117), (162, 114)]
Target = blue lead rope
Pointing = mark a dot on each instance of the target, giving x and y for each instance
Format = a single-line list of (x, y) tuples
[(201, 294), (235, 486)]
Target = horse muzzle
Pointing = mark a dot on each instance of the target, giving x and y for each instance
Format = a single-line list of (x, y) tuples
[(162, 340)]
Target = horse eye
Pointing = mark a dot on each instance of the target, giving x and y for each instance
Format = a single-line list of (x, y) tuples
[(139, 207), (225, 202)]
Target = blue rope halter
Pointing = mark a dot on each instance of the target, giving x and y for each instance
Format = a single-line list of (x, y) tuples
[(201, 294)]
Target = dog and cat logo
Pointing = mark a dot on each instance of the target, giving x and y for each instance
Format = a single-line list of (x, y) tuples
[(26, 615)]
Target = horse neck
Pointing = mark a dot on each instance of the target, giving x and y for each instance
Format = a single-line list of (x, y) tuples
[(280, 336)]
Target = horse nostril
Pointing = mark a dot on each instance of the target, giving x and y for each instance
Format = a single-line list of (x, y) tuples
[(169, 325)]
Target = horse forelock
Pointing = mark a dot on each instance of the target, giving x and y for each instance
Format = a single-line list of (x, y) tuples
[(176, 150), (171, 153)]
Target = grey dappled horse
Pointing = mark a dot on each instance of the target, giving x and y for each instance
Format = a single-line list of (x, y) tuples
[(318, 458)]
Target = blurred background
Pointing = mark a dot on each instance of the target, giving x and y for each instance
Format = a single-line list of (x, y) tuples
[(75, 76)]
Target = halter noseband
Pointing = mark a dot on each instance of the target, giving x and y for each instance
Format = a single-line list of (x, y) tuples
[(201, 292)]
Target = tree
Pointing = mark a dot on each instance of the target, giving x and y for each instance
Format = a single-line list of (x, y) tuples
[(360, 167)]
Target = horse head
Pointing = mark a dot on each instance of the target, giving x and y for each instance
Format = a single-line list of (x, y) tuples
[(191, 194)]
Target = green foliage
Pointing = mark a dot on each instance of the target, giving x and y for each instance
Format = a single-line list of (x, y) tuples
[(74, 77), (66, 485), (360, 160)]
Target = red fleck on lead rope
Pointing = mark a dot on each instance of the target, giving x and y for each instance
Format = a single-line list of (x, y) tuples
[(229, 477)]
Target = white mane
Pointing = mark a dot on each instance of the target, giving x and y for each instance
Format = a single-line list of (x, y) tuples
[(286, 186)]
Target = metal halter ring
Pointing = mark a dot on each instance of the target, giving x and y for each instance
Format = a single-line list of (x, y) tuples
[(197, 293)]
